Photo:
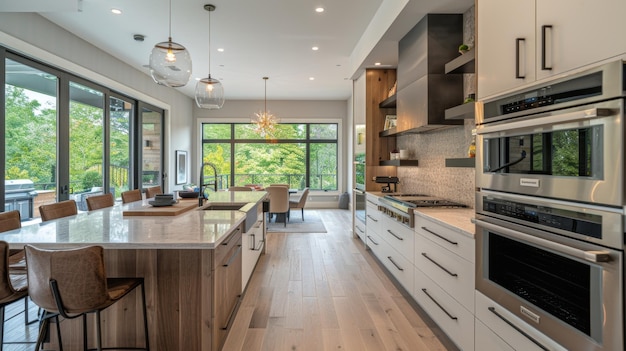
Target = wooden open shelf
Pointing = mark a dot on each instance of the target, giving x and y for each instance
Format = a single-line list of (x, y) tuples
[(389, 102)]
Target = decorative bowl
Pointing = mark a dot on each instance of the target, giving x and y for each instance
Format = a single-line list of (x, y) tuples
[(188, 194)]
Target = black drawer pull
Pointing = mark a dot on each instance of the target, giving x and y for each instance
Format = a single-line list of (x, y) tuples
[(533, 340), (372, 240), (359, 229), (438, 305), (440, 236), (439, 265), (372, 218), (395, 264), (232, 258), (394, 235)]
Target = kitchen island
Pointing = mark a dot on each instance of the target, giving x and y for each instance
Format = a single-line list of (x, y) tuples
[(191, 264)]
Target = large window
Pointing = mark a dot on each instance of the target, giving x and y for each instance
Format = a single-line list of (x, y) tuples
[(65, 137), (301, 155)]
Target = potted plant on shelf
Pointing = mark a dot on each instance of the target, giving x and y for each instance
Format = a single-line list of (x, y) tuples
[(463, 48)]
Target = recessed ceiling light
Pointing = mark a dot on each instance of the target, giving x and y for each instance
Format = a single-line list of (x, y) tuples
[(311, 78), (315, 48), (376, 63), (116, 11), (319, 9), (220, 49)]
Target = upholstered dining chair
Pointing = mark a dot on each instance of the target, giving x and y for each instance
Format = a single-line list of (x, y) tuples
[(13, 287), (72, 283), (152, 191), (57, 210), (131, 196), (239, 188), (97, 202), (300, 202), (279, 201)]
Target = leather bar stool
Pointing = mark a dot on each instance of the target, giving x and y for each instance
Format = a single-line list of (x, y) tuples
[(97, 202), (131, 196), (58, 210), (12, 287), (72, 283), (152, 191)]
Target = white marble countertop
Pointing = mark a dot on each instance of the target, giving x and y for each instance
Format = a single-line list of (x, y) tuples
[(108, 227), (457, 219)]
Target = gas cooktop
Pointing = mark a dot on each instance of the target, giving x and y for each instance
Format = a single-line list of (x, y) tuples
[(420, 200)]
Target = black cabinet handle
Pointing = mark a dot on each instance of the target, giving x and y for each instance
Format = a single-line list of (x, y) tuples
[(232, 258), (439, 265), (533, 340), (518, 68), (372, 218), (544, 47), (394, 235), (440, 236), (372, 240), (395, 264), (439, 305)]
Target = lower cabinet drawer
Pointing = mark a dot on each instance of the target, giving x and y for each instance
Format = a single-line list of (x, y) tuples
[(454, 319), (453, 273), (401, 268), (510, 328), (359, 229), (488, 340)]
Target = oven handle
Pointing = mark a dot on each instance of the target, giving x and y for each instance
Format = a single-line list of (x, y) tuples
[(533, 340), (549, 119), (591, 256)]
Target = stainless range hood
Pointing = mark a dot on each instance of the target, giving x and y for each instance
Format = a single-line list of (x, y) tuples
[(424, 90)]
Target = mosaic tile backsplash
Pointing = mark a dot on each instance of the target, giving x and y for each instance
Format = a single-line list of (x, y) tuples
[(431, 177)]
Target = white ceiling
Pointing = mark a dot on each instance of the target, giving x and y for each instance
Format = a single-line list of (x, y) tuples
[(260, 38)]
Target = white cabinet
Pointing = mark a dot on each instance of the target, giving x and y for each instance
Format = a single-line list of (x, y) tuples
[(398, 250), (444, 278), (508, 332), (537, 39)]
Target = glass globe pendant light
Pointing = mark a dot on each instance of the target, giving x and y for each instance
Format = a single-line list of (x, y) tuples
[(209, 91), (170, 62)]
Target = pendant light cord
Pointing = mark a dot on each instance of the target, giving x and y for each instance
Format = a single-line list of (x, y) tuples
[(170, 26), (209, 44), (265, 106)]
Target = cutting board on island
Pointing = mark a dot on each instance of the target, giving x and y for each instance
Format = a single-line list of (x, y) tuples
[(174, 210)]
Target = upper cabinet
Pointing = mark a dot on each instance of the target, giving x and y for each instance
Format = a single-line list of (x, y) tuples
[(521, 41)]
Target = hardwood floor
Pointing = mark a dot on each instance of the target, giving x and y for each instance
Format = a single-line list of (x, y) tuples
[(326, 292)]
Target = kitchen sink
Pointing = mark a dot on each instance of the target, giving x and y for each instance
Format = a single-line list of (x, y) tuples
[(230, 207)]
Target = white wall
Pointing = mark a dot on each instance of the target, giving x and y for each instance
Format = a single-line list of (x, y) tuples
[(38, 38), (288, 111)]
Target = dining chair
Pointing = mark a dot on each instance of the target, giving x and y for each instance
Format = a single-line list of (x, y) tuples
[(72, 283), (9, 221), (97, 202), (239, 188), (300, 202), (284, 185), (13, 287), (152, 191), (57, 210), (279, 201), (131, 196)]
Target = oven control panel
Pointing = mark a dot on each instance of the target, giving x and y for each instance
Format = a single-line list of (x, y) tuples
[(570, 221)]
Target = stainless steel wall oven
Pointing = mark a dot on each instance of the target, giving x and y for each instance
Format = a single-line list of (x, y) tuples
[(550, 207)]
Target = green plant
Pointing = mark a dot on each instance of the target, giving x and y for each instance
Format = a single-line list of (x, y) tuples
[(463, 47)]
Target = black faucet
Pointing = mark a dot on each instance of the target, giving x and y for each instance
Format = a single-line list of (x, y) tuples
[(202, 185)]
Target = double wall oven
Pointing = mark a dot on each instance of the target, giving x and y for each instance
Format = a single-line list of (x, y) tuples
[(550, 207)]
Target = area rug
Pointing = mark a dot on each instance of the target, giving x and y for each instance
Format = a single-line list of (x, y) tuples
[(311, 224)]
